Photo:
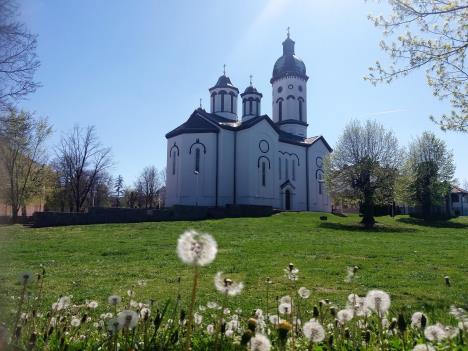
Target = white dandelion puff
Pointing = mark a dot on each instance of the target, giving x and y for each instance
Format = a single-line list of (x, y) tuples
[(75, 322), (345, 315), (304, 292), (313, 331), (274, 319), (423, 347), (416, 319), (196, 249), (435, 332), (128, 319), (198, 318), (227, 286), (92, 304), (210, 329), (62, 303), (291, 272), (285, 299), (260, 343), (212, 305), (284, 308), (258, 313), (113, 325), (229, 333), (114, 300), (458, 313), (145, 312), (378, 301)]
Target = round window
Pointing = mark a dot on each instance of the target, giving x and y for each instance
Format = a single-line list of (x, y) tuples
[(290, 86), (264, 146)]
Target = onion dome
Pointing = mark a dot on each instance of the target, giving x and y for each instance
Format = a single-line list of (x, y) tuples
[(224, 82), (288, 64)]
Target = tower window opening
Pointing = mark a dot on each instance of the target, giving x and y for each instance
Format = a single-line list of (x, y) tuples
[(287, 168), (250, 108), (232, 103), (197, 160), (300, 110), (243, 108), (280, 110), (222, 102), (173, 162), (258, 108), (294, 169)]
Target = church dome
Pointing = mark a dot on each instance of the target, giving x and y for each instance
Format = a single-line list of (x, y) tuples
[(224, 82), (289, 63)]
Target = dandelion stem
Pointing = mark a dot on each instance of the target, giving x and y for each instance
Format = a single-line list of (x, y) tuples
[(192, 303)]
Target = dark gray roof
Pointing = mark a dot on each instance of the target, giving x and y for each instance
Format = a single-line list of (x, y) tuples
[(251, 90), (224, 82), (288, 64), (201, 121)]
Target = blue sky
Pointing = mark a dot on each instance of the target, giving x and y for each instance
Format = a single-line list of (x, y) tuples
[(137, 69)]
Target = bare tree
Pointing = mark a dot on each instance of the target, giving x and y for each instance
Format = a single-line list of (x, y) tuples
[(81, 161), (429, 34), (18, 59), (364, 166), (23, 156), (118, 189), (148, 184)]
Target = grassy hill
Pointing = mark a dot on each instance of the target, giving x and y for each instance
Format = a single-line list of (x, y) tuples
[(401, 256)]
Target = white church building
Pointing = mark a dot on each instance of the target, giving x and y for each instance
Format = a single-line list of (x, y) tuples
[(217, 158)]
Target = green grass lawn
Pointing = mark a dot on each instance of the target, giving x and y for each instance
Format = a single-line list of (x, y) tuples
[(402, 256)]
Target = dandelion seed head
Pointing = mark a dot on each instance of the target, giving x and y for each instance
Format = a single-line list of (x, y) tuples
[(260, 342), (274, 319), (345, 315), (284, 308), (113, 325), (114, 300), (229, 333), (75, 322), (423, 347), (435, 332), (92, 304), (210, 329), (198, 318), (196, 249), (145, 312), (258, 313), (212, 305), (378, 301), (227, 286), (128, 319), (285, 299), (313, 331), (416, 319), (304, 292)]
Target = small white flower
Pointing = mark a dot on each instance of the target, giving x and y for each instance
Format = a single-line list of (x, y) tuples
[(260, 343), (196, 249), (128, 319), (304, 292), (416, 319), (284, 308), (258, 313), (285, 299), (198, 318), (291, 272), (378, 301), (229, 333), (350, 274), (212, 305), (423, 347), (314, 331), (145, 312), (435, 332), (274, 319), (210, 329), (92, 304), (114, 300), (75, 322), (345, 315), (62, 303), (227, 286)]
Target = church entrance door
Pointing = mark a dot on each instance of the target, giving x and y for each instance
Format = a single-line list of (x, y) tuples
[(287, 200)]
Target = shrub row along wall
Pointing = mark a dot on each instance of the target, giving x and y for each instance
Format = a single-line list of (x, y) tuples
[(131, 215)]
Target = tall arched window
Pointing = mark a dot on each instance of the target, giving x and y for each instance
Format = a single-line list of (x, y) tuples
[(250, 108), (263, 173), (280, 110), (213, 107), (243, 108), (294, 169), (222, 101), (232, 103), (173, 161), (279, 167), (287, 168), (300, 109), (258, 108), (197, 160)]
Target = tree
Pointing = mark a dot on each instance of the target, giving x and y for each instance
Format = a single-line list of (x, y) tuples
[(18, 59), (364, 166), (81, 161), (148, 184), (431, 169), (429, 34), (118, 189), (23, 156)]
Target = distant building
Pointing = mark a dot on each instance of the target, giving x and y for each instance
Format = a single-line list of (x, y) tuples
[(216, 158), (458, 201)]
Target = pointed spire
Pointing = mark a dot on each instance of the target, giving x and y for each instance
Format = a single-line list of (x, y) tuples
[(288, 31), (201, 103), (250, 79), (224, 70)]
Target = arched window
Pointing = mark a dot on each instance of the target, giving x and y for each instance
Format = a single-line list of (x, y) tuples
[(280, 110), (250, 108), (232, 103), (300, 110), (258, 108), (287, 168), (243, 108), (263, 173), (294, 169), (222, 101), (279, 167), (197, 160), (173, 161), (320, 181)]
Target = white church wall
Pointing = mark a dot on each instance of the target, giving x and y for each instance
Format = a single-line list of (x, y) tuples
[(292, 169), (255, 146), (319, 198), (226, 167), (184, 186)]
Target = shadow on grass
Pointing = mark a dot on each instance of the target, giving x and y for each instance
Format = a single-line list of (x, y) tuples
[(436, 224), (378, 228)]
